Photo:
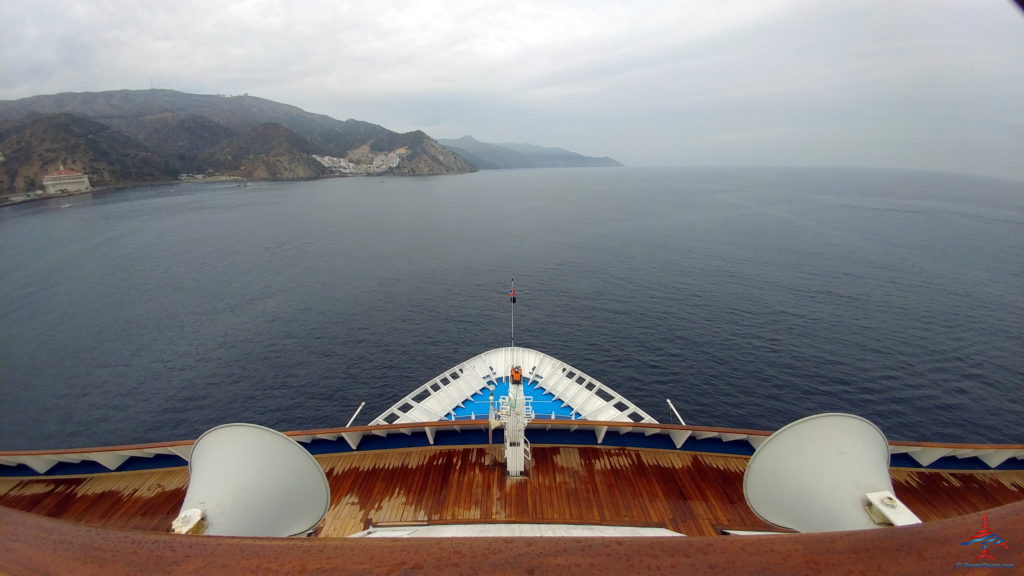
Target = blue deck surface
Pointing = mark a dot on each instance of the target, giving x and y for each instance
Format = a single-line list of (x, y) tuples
[(545, 405)]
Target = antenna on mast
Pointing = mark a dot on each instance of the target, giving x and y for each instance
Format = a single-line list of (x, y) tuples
[(512, 297)]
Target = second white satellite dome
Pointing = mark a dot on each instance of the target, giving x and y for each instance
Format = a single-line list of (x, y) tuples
[(814, 475)]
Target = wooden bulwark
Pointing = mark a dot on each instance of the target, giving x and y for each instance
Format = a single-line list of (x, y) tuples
[(693, 493), (33, 544)]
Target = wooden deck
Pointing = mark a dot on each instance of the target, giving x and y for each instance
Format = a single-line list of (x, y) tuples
[(693, 493)]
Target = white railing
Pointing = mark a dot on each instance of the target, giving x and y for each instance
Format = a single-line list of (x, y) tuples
[(586, 397)]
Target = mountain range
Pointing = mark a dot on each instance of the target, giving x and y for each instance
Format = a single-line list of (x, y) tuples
[(128, 137), (486, 156)]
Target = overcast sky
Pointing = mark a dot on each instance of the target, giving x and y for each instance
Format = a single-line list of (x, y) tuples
[(929, 84)]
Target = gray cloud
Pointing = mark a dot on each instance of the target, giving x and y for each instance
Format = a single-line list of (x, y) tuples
[(931, 84)]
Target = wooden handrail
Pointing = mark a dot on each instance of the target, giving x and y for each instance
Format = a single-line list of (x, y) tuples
[(483, 422)]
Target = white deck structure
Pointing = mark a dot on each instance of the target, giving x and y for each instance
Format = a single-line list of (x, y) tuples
[(513, 530), (449, 395)]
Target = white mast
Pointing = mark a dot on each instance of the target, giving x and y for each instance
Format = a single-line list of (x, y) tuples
[(512, 297), (514, 409)]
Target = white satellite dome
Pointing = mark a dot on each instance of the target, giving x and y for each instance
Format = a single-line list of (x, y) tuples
[(822, 473), (248, 480)]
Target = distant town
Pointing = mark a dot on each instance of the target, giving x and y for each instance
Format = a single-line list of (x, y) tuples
[(65, 182), (379, 164)]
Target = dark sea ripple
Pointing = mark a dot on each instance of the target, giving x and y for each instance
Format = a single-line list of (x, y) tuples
[(750, 297)]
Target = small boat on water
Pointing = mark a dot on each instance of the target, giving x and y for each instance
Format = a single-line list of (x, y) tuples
[(515, 461)]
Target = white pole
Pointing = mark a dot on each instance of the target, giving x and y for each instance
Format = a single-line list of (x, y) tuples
[(674, 411), (361, 404)]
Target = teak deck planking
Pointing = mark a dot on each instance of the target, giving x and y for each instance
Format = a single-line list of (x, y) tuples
[(693, 493)]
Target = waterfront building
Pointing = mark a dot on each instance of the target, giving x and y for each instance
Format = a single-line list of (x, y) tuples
[(65, 181)]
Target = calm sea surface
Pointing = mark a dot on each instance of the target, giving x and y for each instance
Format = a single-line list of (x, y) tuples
[(749, 297)]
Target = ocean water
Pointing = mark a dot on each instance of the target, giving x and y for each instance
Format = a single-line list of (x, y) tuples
[(750, 297)]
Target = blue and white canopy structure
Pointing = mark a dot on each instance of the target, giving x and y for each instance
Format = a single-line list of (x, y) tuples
[(555, 390)]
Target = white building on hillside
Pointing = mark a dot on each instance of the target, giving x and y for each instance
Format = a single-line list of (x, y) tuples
[(65, 181)]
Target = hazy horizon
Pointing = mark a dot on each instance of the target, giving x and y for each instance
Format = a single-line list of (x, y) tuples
[(920, 85)]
